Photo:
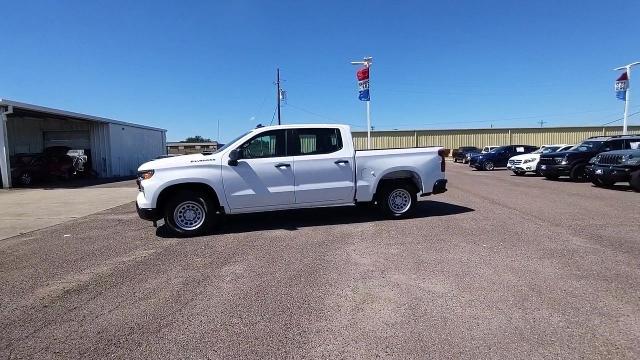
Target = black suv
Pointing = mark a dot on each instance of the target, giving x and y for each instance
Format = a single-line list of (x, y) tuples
[(499, 157), (616, 166), (461, 153), (573, 162)]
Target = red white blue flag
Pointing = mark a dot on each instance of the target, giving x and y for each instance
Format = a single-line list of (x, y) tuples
[(363, 84), (622, 84)]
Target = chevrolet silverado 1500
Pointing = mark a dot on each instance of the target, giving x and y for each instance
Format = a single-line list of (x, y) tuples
[(285, 167)]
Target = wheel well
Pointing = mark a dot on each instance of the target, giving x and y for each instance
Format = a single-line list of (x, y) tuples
[(404, 176), (204, 189)]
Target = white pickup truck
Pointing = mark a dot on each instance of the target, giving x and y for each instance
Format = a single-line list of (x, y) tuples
[(285, 167)]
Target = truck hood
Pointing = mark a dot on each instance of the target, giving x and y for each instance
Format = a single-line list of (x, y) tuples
[(570, 154), (181, 161)]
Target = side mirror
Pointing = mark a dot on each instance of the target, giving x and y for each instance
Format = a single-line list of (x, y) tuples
[(234, 155)]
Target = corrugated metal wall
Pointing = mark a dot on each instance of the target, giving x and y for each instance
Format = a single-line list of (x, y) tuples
[(100, 149), (453, 139), (26, 134), (133, 146)]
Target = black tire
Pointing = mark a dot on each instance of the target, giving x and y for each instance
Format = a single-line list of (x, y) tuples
[(578, 173), (398, 200), (455, 160), (635, 180), (189, 213), (488, 166)]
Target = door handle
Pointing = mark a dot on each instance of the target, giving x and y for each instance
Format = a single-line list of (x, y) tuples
[(282, 165), (339, 162)]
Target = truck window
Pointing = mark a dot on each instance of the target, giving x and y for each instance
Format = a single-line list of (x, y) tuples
[(268, 144), (317, 141), (611, 145)]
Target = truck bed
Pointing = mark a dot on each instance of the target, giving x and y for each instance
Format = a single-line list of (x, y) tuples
[(375, 165)]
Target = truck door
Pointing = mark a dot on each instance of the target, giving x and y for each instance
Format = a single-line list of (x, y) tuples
[(323, 166), (263, 176)]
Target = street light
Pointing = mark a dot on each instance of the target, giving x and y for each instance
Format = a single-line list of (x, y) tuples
[(367, 61), (627, 96)]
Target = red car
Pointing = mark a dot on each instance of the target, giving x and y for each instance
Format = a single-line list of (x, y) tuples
[(27, 169)]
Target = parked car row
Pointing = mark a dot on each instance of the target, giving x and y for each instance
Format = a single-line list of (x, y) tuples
[(603, 160)]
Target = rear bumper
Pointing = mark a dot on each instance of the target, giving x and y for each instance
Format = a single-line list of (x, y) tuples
[(439, 187), (148, 214)]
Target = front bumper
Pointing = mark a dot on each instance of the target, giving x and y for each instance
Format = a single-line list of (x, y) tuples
[(609, 173), (522, 167), (148, 214), (554, 170)]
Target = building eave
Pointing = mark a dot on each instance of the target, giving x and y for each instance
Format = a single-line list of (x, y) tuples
[(46, 110)]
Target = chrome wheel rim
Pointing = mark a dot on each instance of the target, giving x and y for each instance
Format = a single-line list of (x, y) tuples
[(489, 166), (189, 215), (399, 201)]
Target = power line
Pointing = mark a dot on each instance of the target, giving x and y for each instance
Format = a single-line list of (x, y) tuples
[(620, 119)]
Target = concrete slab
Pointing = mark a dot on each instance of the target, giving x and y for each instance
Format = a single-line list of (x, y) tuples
[(25, 210)]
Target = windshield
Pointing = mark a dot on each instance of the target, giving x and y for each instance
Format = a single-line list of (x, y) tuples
[(498, 149), (587, 146), (230, 143), (546, 150)]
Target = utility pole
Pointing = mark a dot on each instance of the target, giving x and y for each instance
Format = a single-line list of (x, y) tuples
[(627, 96), (367, 61), (542, 122), (278, 92)]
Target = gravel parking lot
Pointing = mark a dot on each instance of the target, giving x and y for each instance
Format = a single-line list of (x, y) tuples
[(500, 266)]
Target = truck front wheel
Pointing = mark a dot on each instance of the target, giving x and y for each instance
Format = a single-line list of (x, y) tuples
[(188, 214), (398, 200)]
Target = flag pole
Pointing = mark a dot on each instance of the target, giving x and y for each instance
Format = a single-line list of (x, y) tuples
[(627, 97), (626, 102), (367, 63)]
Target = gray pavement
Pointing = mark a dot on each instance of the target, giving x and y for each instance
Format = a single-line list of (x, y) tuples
[(25, 210), (498, 267)]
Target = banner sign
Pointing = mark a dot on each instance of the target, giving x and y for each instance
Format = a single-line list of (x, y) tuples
[(622, 84), (363, 84)]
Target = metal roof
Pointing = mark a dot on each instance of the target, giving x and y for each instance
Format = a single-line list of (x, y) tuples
[(70, 114)]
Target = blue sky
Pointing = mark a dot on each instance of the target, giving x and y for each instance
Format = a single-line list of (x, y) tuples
[(186, 65)]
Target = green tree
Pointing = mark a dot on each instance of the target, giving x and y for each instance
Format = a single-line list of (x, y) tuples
[(196, 139)]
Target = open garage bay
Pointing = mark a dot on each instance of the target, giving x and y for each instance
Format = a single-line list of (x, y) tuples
[(500, 266)]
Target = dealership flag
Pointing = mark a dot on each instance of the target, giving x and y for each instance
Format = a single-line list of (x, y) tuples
[(363, 84), (622, 84)]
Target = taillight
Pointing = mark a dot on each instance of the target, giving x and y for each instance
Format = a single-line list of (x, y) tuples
[(441, 152)]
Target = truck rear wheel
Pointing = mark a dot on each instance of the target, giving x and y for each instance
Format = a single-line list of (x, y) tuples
[(188, 213), (398, 200)]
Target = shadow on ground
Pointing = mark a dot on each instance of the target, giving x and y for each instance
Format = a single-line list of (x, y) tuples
[(296, 219), (81, 183)]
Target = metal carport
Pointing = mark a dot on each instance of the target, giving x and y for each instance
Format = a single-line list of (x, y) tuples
[(117, 147)]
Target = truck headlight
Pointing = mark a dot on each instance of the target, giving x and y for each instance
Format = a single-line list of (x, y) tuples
[(145, 174), (630, 160), (562, 161)]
